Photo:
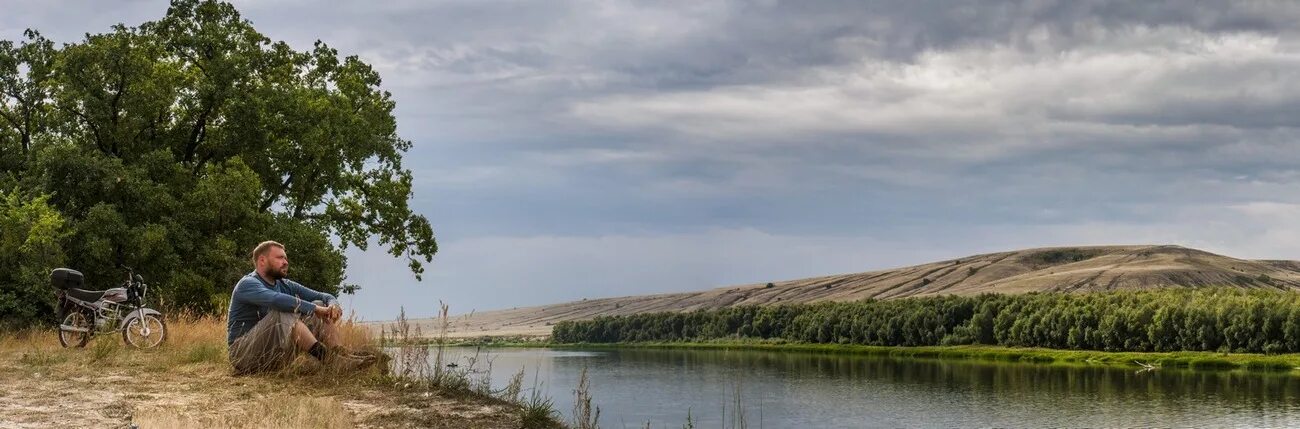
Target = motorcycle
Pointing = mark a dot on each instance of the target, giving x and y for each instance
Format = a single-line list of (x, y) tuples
[(85, 313)]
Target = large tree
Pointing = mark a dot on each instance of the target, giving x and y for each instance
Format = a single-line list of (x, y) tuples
[(176, 145)]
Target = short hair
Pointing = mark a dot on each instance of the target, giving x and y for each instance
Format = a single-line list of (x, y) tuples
[(262, 248)]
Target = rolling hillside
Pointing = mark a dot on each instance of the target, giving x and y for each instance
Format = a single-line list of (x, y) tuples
[(1062, 269)]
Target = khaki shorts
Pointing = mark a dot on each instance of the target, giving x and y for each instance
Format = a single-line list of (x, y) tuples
[(270, 346)]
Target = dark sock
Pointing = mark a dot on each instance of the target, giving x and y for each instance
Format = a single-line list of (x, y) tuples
[(318, 351)]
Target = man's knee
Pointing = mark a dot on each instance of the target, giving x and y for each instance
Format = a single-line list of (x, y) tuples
[(301, 328)]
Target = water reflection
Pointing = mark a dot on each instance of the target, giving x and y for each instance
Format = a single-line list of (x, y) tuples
[(796, 389)]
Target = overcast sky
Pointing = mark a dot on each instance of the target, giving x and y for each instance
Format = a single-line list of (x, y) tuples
[(578, 149)]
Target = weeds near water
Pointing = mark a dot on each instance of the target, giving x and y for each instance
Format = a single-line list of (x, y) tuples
[(734, 415), (443, 323), (412, 361), (737, 418), (426, 365), (511, 392), (478, 380), (538, 411), (737, 415), (584, 415)]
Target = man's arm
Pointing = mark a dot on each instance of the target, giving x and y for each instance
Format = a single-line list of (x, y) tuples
[(307, 294), (254, 293)]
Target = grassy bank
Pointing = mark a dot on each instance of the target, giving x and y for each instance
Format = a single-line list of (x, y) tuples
[(1190, 360), (187, 383)]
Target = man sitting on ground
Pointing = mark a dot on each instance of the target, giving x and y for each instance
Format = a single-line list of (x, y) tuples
[(272, 319)]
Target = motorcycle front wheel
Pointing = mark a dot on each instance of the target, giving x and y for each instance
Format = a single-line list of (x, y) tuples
[(75, 329), (145, 332)]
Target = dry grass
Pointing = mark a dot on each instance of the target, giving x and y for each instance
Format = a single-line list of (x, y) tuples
[(280, 411), (187, 382), (28, 339)]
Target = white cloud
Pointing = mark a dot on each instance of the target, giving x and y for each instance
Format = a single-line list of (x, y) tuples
[(996, 99)]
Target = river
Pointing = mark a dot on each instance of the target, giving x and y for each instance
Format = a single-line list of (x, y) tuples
[(633, 386)]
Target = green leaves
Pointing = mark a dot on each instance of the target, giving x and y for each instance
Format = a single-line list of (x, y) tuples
[(30, 236), (24, 109), (177, 145), (1200, 319), (223, 198)]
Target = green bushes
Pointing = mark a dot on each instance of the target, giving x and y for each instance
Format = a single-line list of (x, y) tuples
[(1203, 319), (30, 233)]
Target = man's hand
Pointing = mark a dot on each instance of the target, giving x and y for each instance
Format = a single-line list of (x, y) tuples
[(336, 312), (323, 313)]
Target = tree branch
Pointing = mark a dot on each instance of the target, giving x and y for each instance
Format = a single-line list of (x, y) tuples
[(93, 129), (302, 203), (270, 199), (199, 131), (114, 113)]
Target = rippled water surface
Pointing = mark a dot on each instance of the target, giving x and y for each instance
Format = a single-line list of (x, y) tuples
[(804, 390)]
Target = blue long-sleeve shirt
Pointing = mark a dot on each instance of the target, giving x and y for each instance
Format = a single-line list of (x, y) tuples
[(253, 298)]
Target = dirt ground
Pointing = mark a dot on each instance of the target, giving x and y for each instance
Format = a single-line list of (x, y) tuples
[(187, 383)]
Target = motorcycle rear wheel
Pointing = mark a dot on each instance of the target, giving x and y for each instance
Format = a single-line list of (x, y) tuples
[(75, 319), (145, 332)]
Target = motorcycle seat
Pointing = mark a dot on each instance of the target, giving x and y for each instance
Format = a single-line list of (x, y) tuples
[(85, 295)]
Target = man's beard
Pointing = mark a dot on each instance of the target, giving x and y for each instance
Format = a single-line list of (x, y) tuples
[(275, 273)]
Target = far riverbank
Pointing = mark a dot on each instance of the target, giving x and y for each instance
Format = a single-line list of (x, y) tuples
[(1212, 361)]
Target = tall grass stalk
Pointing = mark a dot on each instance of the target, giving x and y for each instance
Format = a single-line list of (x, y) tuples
[(444, 323), (585, 416), (511, 392), (412, 362), (736, 419), (538, 411)]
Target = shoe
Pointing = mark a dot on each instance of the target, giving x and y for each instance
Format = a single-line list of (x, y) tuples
[(340, 359), (377, 358)]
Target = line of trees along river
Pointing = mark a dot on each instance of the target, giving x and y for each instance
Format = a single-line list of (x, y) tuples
[(1200, 319)]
